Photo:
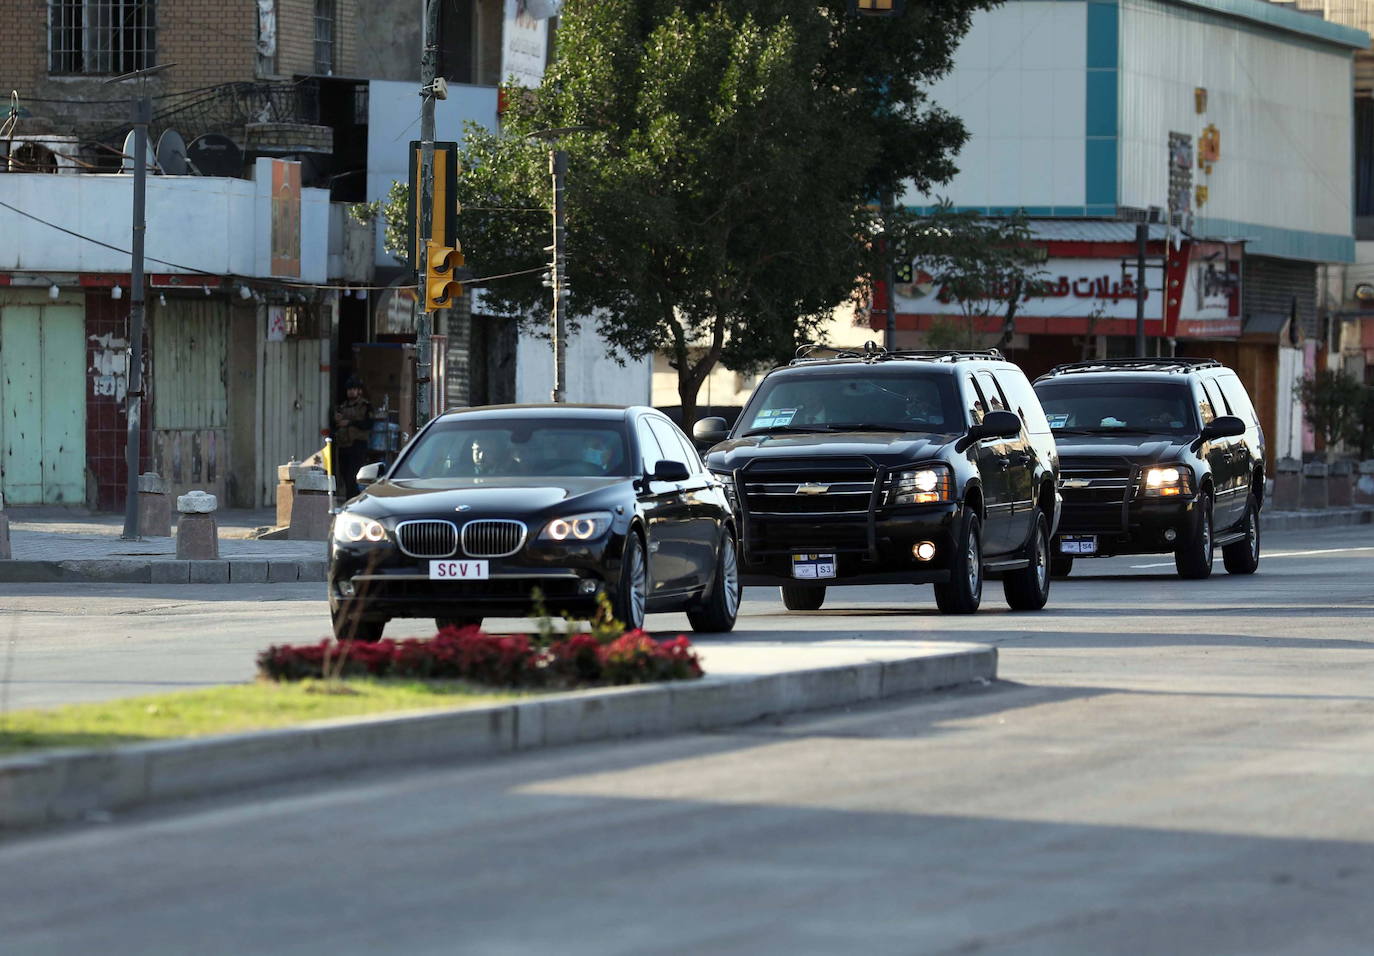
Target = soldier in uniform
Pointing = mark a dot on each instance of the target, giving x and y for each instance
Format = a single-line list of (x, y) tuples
[(352, 426)]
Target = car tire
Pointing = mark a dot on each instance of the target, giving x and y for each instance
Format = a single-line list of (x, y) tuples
[(355, 627), (1028, 588), (800, 597), (1243, 557), (1060, 566), (1193, 559), (460, 622), (964, 591), (720, 604), (632, 590)]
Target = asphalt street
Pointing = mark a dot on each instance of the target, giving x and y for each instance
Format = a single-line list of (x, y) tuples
[(1165, 767)]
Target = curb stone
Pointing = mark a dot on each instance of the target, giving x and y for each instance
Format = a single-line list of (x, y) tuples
[(70, 785)]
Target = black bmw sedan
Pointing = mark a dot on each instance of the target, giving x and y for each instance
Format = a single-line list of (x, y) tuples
[(487, 506)]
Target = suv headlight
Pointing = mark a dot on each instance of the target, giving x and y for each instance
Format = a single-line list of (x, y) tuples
[(351, 529), (727, 481), (583, 527), (921, 486), (1167, 481)]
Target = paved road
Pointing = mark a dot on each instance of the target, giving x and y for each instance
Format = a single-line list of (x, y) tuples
[(1167, 767)]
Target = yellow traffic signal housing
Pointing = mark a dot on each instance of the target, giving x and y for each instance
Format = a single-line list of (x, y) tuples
[(441, 288)]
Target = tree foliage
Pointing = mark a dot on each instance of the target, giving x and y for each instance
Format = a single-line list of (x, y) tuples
[(719, 201), (1333, 403)]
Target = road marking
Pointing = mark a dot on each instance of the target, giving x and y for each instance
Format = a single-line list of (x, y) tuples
[(1267, 554)]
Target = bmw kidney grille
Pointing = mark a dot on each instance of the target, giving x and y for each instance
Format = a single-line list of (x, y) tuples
[(493, 537), (428, 539)]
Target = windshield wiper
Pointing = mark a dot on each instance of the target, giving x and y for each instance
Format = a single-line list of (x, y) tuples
[(779, 429), (881, 427)]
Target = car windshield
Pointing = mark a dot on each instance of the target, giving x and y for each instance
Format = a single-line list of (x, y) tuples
[(1104, 407), (483, 447), (832, 402)]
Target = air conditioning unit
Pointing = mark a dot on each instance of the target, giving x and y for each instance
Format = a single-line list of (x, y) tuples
[(40, 153)]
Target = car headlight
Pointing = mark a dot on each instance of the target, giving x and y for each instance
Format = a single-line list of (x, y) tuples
[(923, 486), (577, 527), (1168, 481), (351, 529), (727, 481)]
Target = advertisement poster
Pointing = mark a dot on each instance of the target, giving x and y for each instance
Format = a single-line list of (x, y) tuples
[(526, 40), (286, 218)]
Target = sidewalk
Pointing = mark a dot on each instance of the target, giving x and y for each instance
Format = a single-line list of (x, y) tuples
[(73, 545)]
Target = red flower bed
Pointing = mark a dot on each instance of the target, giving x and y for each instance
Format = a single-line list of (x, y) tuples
[(501, 661)]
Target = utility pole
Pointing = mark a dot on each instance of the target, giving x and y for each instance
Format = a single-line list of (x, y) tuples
[(890, 267), (142, 116), (1142, 237), (558, 166), (429, 70)]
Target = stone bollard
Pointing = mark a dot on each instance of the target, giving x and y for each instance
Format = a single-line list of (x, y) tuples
[(197, 533), (1287, 485), (310, 510), (154, 508), (286, 491), (1340, 484), (4, 532), (1364, 484), (1314, 490)]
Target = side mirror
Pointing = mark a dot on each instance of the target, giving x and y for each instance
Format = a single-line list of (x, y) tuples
[(670, 471), (708, 431), (1224, 426), (996, 425), (367, 474)]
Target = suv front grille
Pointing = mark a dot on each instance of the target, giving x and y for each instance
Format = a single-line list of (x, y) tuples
[(1095, 492), (493, 537), (798, 488), (427, 539)]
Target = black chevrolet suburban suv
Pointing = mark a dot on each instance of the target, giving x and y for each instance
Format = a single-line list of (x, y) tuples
[(878, 467), (1156, 455)]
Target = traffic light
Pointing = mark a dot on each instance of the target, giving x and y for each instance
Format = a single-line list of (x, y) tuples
[(441, 288)]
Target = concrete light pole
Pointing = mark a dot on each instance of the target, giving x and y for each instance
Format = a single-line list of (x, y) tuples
[(558, 169), (142, 116), (429, 70)]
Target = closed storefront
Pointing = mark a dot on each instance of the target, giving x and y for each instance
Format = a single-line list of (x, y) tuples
[(190, 395)]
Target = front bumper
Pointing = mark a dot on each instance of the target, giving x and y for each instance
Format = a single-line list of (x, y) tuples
[(1138, 526), (385, 583), (874, 548)]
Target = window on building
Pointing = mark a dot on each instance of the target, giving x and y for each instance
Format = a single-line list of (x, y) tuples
[(325, 11), (101, 36)]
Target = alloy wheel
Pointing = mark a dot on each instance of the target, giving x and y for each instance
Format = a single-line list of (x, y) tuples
[(729, 576)]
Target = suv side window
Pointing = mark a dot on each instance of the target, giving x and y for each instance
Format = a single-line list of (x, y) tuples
[(1219, 403), (973, 401), (1236, 397), (995, 401), (1023, 400), (1204, 404)]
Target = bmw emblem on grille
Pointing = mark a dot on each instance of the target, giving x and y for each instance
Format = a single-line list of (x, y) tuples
[(812, 488), (463, 508)]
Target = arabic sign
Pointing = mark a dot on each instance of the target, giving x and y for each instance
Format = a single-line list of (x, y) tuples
[(1070, 287), (525, 45), (1211, 292)]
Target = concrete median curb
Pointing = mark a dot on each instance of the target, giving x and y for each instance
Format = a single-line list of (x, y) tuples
[(135, 571), (1330, 518), (71, 785)]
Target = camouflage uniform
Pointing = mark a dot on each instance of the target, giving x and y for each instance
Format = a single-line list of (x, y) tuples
[(350, 439)]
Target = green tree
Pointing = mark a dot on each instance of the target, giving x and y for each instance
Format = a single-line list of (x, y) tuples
[(1333, 404), (720, 205), (988, 265)]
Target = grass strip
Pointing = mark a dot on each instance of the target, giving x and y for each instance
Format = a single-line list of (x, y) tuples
[(233, 708)]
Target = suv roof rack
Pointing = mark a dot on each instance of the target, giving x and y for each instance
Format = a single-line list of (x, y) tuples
[(1159, 364), (872, 352)]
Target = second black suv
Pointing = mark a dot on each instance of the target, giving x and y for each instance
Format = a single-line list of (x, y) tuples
[(877, 467), (1156, 455)]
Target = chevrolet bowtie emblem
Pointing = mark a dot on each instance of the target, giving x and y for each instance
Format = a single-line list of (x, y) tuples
[(1075, 483), (812, 488)]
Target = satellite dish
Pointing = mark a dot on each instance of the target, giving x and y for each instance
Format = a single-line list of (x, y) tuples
[(215, 154), (171, 153), (126, 165)]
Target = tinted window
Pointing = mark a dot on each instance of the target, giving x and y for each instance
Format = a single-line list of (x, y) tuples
[(1214, 395), (650, 452), (1237, 398), (911, 402), (993, 398), (674, 448), (1156, 408), (1023, 400), (973, 401), (480, 447)]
